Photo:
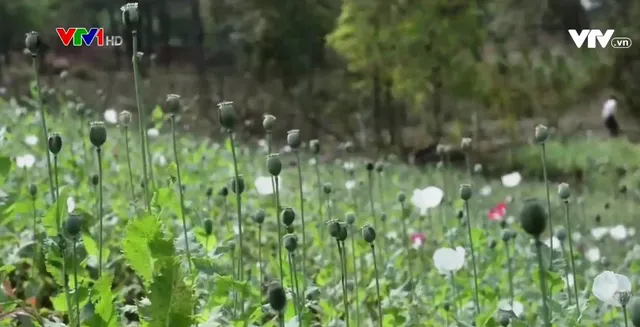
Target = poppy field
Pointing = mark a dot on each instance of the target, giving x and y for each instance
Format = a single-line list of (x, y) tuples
[(118, 219)]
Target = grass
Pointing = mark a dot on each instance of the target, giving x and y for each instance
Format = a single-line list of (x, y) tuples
[(146, 280)]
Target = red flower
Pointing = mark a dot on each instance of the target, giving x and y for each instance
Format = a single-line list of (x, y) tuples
[(498, 212), (417, 239)]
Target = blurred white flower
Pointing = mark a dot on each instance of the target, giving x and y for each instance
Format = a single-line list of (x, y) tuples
[(557, 245), (477, 168), (262, 143), (448, 260), (111, 116), (25, 161), (348, 165), (286, 149), (71, 204), (568, 282), (153, 132), (264, 186), (511, 220), (31, 140), (350, 184), (609, 287), (576, 236), (631, 231), (312, 162), (517, 308), (618, 233), (485, 190), (592, 255), (160, 159), (427, 198), (609, 108), (599, 232), (511, 180)]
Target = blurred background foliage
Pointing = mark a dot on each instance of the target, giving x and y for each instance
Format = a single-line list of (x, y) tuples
[(391, 74)]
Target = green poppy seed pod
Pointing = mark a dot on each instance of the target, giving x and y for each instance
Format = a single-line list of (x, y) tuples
[(268, 122), (95, 179), (259, 216), (315, 146), (209, 192), (446, 306), (370, 166), (97, 133), (401, 197), (634, 310), (465, 144), (124, 118), (237, 185), (287, 216), (379, 166), (343, 233), (208, 227), (465, 192), (607, 205), (326, 188), (623, 189), (493, 244), (350, 217), (130, 15), (460, 214), (227, 115), (33, 43), (506, 236), (293, 138), (73, 225), (224, 191), (277, 297), (368, 233), (564, 192), (504, 320), (33, 190), (383, 216), (55, 143), (290, 242), (541, 134), (172, 104), (274, 164), (561, 234), (334, 228), (533, 217), (624, 297)]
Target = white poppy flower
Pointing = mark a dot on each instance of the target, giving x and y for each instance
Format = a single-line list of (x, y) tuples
[(31, 140), (348, 165), (592, 255), (557, 245), (608, 287), (25, 161), (485, 190), (427, 198), (517, 308), (111, 116), (511, 180), (599, 232), (350, 184), (312, 162), (618, 233), (609, 108), (448, 260), (263, 185), (576, 236), (153, 132), (71, 204)]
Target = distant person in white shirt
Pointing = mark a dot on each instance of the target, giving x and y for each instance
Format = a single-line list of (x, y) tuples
[(609, 116)]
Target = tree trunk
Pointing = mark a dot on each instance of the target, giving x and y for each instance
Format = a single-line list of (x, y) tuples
[(199, 62)]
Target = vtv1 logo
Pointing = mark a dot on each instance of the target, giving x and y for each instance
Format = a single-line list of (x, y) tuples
[(604, 39), (80, 36)]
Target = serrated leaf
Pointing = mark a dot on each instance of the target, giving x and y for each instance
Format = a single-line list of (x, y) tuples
[(92, 247), (54, 215), (172, 301), (102, 297), (135, 245)]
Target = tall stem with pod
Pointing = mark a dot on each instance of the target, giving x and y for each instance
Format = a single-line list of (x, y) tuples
[(274, 166), (173, 107), (72, 228), (339, 232), (259, 217), (291, 244), (369, 235), (314, 145), (564, 192), (125, 120), (33, 192), (98, 136), (350, 219), (465, 195), (35, 47), (293, 140)]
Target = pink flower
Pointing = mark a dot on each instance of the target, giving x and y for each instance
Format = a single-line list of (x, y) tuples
[(498, 212), (417, 240)]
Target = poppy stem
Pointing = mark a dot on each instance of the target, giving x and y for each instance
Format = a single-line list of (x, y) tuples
[(343, 268), (624, 313), (573, 264), (277, 204), (510, 271), (456, 300), (407, 241), (566, 273), (355, 279), (379, 300), (382, 217), (546, 184), (473, 257), (543, 283), (304, 232)]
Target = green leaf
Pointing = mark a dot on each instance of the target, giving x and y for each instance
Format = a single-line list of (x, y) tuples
[(102, 297), (172, 300), (135, 245), (5, 167), (157, 114), (92, 247), (54, 215)]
